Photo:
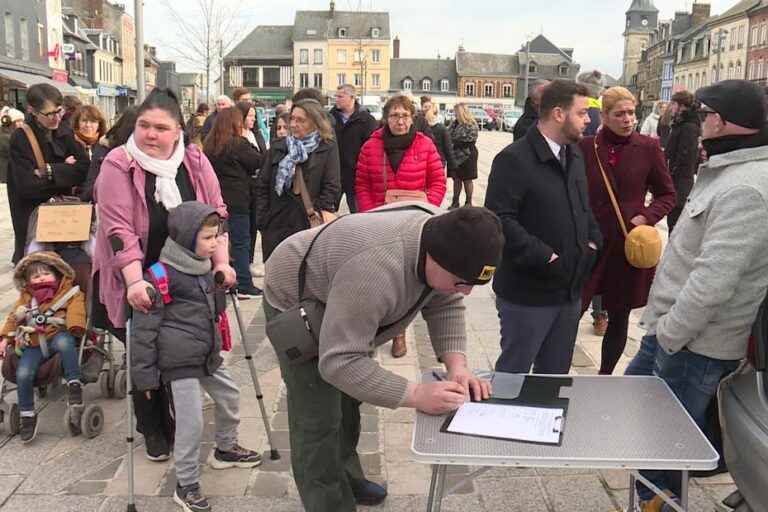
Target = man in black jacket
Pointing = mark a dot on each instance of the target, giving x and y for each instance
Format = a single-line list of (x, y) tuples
[(531, 112), (65, 161), (538, 188), (354, 125), (682, 150)]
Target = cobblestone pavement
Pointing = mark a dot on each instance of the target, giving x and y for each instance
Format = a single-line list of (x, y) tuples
[(62, 473)]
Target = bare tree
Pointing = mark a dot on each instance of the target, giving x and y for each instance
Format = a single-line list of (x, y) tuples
[(206, 30)]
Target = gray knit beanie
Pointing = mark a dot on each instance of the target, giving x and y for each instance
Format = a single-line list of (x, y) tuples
[(593, 81)]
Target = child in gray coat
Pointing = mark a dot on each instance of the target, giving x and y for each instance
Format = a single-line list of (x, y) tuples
[(178, 343)]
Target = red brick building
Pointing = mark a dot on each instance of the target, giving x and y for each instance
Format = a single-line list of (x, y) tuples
[(757, 51)]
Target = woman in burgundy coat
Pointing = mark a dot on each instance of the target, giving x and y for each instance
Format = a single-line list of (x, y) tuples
[(635, 165)]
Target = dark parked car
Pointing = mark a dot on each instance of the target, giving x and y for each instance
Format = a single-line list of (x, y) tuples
[(744, 419)]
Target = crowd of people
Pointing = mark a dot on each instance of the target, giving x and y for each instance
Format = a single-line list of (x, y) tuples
[(569, 221)]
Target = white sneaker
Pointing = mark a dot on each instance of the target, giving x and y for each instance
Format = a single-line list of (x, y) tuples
[(257, 270)]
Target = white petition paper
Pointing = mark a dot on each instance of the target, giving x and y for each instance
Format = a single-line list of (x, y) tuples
[(533, 424)]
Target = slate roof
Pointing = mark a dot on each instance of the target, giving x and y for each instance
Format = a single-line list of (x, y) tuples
[(320, 26), (418, 69), (486, 64), (540, 45), (265, 42), (642, 6)]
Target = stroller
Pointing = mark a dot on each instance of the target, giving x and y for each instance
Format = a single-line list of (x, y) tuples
[(95, 347)]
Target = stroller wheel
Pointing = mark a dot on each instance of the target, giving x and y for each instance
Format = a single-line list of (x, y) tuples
[(14, 420), (120, 385), (92, 421), (106, 389), (72, 417), (42, 391)]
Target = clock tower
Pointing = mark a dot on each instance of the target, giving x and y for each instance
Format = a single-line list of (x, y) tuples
[(642, 19)]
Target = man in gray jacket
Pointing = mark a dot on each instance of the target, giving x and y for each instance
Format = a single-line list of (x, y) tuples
[(374, 272), (714, 272)]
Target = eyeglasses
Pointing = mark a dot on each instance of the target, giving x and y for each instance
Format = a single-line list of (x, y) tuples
[(50, 115), (703, 113), (399, 117)]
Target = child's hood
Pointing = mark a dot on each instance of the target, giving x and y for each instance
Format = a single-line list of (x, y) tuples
[(49, 258), (185, 221)]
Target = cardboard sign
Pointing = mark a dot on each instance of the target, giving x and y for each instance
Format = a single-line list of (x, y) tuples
[(64, 222)]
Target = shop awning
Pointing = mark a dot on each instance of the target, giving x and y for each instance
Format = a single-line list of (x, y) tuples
[(80, 81), (28, 79)]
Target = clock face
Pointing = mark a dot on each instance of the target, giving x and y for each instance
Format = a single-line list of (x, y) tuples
[(644, 22)]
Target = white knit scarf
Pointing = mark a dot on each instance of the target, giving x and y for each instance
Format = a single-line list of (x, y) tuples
[(166, 190)]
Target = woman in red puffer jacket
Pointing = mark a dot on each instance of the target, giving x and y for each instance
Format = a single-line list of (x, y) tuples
[(408, 157)]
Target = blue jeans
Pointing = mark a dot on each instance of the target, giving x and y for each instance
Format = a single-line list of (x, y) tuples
[(643, 362), (240, 241), (63, 343), (694, 379)]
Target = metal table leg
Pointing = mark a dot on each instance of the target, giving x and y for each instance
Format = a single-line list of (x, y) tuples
[(631, 507), (684, 490), (440, 491), (432, 486)]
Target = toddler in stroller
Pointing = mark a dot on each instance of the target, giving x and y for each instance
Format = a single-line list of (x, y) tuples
[(41, 335)]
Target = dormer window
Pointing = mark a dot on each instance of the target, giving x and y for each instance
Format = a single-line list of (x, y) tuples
[(342, 32), (375, 32)]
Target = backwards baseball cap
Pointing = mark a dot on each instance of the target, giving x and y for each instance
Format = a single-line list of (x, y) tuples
[(467, 242), (740, 102)]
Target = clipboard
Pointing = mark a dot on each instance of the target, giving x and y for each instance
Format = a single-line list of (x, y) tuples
[(537, 391)]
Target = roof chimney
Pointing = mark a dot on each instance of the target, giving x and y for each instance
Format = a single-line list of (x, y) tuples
[(332, 9), (396, 47), (699, 13)]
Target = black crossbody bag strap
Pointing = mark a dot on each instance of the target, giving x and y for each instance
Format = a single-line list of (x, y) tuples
[(303, 266)]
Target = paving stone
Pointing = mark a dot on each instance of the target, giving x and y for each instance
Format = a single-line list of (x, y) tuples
[(8, 485), (616, 479), (699, 501), (369, 409), (148, 475), (87, 488), (721, 479), (401, 415), (55, 476), (369, 443), (407, 478), (270, 485), (372, 463), (583, 493), (580, 358), (369, 423), (224, 482), (454, 503), (20, 459), (565, 471), (105, 473), (504, 473), (512, 495), (397, 442), (281, 465), (65, 503), (280, 421)]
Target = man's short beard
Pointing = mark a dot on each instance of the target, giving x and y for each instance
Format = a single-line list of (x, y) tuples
[(573, 137)]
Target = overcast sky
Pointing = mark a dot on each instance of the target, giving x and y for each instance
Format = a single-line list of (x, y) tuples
[(593, 28)]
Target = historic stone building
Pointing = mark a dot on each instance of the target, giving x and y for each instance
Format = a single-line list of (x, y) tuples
[(642, 19)]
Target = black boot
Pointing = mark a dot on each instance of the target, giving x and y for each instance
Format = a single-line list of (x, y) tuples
[(75, 393)]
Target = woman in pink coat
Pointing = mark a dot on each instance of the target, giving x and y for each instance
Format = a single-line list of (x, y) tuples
[(399, 158)]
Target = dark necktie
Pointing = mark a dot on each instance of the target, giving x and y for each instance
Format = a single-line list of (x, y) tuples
[(563, 158)]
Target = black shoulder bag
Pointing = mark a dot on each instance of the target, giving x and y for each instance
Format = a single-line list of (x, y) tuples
[(295, 332)]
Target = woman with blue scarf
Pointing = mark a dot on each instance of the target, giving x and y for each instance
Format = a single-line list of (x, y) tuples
[(310, 146)]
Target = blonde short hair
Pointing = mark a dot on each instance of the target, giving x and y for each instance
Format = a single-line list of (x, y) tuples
[(317, 116), (611, 97)]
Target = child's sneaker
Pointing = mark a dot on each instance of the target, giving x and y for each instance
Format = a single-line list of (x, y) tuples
[(237, 457), (190, 499), (75, 393), (28, 429)]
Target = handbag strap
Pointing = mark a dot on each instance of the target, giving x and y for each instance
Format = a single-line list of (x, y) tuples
[(303, 266), (303, 192), (610, 192), (386, 174), (39, 159)]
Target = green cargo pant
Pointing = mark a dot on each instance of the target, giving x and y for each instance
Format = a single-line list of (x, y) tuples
[(324, 431)]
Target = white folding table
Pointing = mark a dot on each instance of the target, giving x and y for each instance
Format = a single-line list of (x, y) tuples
[(621, 422)]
